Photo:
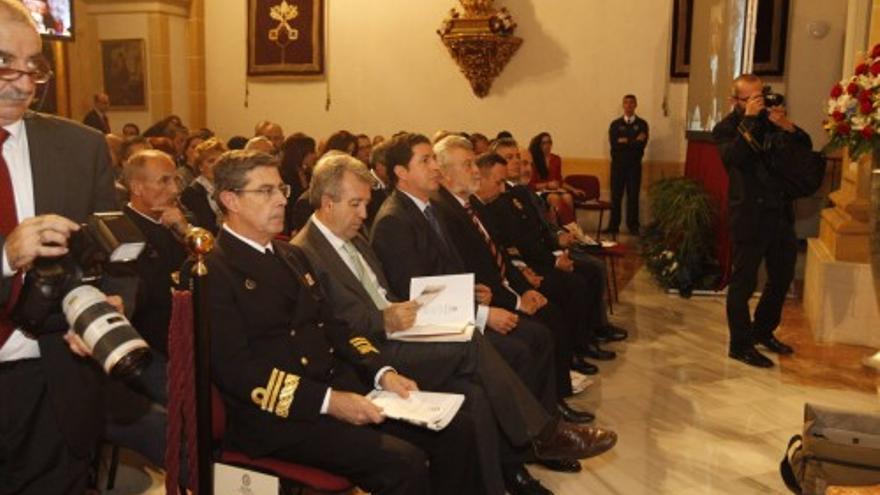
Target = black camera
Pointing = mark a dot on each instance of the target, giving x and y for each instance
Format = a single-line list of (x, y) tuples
[(772, 99), (61, 293)]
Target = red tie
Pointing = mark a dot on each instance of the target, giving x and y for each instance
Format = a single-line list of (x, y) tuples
[(8, 222), (499, 259)]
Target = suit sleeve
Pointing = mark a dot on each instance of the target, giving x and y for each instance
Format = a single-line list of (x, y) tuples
[(364, 317), (245, 377), (640, 145), (613, 136), (393, 241), (733, 143), (104, 197)]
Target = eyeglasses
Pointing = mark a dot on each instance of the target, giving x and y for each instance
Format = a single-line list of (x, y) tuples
[(39, 75), (268, 191)]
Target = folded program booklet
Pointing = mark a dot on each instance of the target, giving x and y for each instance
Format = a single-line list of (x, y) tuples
[(432, 410), (446, 309)]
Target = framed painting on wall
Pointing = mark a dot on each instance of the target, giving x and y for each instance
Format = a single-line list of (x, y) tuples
[(125, 81), (770, 38), (285, 38)]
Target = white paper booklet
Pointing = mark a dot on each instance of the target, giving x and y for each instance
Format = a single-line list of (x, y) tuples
[(432, 410), (446, 312)]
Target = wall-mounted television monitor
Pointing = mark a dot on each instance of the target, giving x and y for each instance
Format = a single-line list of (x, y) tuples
[(54, 18)]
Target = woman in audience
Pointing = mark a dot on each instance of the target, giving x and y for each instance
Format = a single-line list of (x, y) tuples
[(343, 141), (198, 197), (298, 157), (187, 169), (131, 130), (547, 179)]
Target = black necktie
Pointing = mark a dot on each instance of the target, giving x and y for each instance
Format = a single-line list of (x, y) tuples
[(435, 226)]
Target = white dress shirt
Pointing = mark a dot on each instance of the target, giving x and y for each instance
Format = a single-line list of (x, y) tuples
[(18, 161)]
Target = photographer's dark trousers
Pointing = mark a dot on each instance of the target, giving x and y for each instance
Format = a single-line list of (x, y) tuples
[(777, 247), (626, 175), (34, 456)]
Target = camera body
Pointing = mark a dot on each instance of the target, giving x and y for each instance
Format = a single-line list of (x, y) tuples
[(61, 293), (772, 99)]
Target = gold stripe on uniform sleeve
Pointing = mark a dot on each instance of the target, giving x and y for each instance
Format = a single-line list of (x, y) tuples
[(363, 345), (278, 393), (285, 398)]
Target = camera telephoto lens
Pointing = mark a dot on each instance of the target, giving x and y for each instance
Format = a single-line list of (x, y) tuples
[(114, 343)]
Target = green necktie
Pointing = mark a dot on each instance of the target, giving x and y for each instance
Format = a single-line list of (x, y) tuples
[(365, 279)]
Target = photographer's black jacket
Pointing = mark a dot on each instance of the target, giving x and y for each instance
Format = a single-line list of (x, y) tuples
[(756, 201)]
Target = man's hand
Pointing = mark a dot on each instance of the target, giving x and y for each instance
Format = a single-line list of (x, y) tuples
[(778, 117), (353, 408), (501, 320), (564, 262), (642, 137), (399, 384), (173, 218), (531, 277), (483, 294), (531, 302), (400, 316), (565, 239), (754, 105), (77, 345), (552, 184), (37, 237), (622, 140)]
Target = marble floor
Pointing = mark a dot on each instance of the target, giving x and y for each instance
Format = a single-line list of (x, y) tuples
[(690, 420)]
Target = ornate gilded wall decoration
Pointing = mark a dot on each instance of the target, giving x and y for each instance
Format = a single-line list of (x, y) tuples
[(480, 41), (285, 37)]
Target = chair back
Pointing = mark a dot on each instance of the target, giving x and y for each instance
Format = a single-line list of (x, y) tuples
[(589, 184)]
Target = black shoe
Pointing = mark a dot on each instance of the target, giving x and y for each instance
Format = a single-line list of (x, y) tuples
[(572, 415), (561, 465), (751, 357), (583, 367), (593, 351), (774, 345), (518, 481), (611, 333)]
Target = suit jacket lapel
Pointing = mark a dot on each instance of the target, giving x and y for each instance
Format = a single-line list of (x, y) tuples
[(333, 262), (46, 166), (361, 244)]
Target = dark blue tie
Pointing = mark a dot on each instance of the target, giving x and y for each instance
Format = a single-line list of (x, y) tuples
[(435, 225)]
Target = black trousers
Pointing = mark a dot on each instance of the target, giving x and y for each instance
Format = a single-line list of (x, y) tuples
[(393, 457), (625, 176), (594, 271), (777, 247), (529, 350), (34, 456)]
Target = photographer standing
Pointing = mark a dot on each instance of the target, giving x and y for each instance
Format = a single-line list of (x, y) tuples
[(761, 215), (49, 397)]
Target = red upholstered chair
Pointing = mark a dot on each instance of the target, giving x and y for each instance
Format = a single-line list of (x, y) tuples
[(591, 202), (295, 474)]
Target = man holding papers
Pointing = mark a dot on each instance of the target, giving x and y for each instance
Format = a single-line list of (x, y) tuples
[(291, 375), (356, 288)]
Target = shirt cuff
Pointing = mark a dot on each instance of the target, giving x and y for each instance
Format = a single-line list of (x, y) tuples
[(7, 269), (379, 376), (518, 302), (326, 404), (482, 317)]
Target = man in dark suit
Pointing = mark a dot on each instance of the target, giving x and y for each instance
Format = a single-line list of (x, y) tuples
[(291, 374), (761, 218), (544, 246), (50, 402), (510, 288), (357, 291), (97, 116), (628, 136)]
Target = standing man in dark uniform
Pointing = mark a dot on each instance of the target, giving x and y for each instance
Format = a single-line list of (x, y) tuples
[(628, 136), (97, 116), (761, 218), (50, 415), (293, 376)]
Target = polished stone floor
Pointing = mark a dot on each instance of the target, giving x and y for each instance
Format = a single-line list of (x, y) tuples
[(690, 420)]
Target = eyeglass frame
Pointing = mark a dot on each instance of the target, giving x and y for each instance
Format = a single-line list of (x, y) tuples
[(38, 76), (268, 191)]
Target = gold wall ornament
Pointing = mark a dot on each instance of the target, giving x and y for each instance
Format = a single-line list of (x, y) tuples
[(480, 41), (282, 13)]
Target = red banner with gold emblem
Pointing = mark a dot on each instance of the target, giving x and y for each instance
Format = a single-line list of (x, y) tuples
[(285, 37)]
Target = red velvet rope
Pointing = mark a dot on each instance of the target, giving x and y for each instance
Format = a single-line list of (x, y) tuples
[(181, 393)]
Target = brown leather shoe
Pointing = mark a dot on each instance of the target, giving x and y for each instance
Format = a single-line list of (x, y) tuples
[(579, 442)]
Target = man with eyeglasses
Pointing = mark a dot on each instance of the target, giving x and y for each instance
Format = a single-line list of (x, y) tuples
[(761, 218), (292, 375), (50, 415)]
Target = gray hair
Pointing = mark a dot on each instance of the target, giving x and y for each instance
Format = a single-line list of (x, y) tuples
[(503, 143), (232, 168), (134, 165), (328, 174), (252, 142), (443, 147)]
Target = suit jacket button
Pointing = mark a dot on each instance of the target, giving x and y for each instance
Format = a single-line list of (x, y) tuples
[(320, 324), (304, 361), (332, 350), (293, 332)]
